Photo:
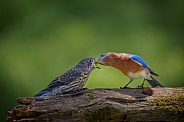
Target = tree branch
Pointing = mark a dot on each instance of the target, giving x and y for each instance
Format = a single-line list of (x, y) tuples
[(155, 104)]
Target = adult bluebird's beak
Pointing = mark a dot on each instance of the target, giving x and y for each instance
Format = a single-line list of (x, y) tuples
[(100, 62), (101, 59)]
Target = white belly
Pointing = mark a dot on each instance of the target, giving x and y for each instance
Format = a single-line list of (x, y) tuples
[(139, 75)]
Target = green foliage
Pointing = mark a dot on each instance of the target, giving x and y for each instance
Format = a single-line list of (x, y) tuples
[(42, 40)]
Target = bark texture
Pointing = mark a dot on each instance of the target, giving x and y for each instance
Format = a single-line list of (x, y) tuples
[(148, 104)]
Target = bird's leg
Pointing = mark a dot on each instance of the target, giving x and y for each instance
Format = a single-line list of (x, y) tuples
[(127, 84), (142, 85)]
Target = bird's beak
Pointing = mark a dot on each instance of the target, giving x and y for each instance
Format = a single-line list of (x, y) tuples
[(96, 62), (102, 58), (100, 62)]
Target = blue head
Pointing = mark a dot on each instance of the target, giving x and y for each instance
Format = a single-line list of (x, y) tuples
[(105, 59)]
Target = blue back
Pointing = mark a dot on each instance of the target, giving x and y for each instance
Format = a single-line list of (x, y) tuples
[(139, 60)]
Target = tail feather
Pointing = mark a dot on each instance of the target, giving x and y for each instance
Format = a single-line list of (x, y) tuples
[(154, 82), (42, 93)]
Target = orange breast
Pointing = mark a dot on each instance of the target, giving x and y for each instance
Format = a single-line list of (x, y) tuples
[(125, 64)]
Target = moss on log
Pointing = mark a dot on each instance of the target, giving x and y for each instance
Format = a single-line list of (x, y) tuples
[(148, 104)]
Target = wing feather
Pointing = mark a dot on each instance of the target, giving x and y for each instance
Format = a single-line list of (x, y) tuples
[(66, 78), (141, 62)]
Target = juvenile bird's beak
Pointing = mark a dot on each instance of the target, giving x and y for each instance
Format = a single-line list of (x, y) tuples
[(96, 62)]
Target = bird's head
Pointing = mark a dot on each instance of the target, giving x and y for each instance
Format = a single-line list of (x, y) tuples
[(88, 64), (105, 59)]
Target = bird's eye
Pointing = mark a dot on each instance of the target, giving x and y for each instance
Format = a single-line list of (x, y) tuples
[(90, 61), (103, 55)]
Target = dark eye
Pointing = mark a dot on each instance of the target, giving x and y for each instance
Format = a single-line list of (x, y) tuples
[(90, 61)]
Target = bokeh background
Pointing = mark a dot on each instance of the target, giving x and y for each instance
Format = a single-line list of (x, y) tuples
[(40, 40)]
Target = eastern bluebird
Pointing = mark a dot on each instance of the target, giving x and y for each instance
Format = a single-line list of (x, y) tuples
[(72, 80), (131, 65)]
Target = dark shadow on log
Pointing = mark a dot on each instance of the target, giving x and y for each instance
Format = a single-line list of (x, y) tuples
[(155, 104)]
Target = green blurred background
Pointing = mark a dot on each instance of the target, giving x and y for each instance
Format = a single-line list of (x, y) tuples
[(40, 40)]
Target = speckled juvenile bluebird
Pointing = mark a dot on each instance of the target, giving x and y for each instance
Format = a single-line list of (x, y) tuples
[(131, 65), (72, 80)]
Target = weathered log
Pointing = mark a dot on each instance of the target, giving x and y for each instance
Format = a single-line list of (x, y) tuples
[(155, 104)]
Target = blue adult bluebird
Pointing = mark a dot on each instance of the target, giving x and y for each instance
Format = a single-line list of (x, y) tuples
[(131, 65), (72, 80)]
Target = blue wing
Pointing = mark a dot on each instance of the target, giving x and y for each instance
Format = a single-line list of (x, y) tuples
[(139, 60)]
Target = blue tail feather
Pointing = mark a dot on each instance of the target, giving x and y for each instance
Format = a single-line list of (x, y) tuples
[(42, 92)]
